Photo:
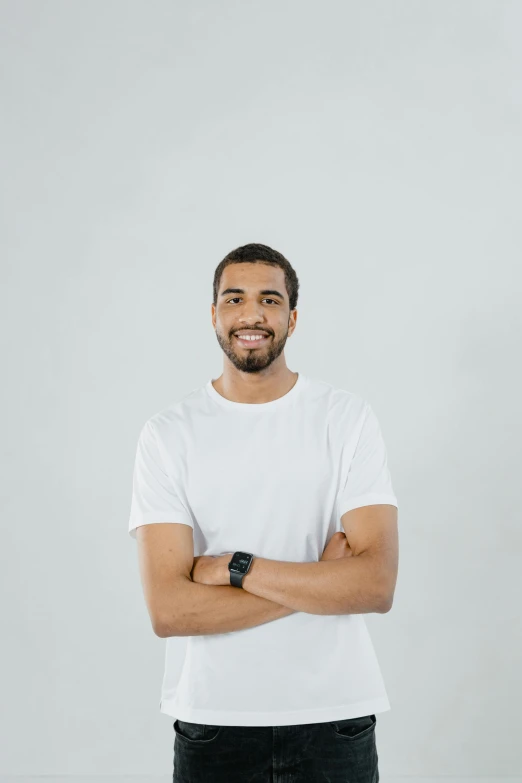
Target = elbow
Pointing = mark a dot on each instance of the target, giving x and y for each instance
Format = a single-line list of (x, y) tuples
[(167, 610), (387, 592), (170, 627), (158, 625), (164, 629), (385, 603), (158, 629)]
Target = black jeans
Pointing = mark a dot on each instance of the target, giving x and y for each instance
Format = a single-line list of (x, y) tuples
[(341, 751)]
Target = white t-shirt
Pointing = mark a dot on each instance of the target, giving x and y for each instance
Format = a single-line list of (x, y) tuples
[(272, 479)]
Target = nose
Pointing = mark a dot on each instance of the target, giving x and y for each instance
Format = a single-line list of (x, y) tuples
[(251, 315)]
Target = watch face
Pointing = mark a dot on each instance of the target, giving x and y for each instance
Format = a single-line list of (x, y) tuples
[(240, 562)]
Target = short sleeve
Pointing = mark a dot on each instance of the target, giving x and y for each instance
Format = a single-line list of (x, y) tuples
[(155, 497), (368, 481)]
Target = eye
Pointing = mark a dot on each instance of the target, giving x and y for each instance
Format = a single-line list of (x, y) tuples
[(265, 300)]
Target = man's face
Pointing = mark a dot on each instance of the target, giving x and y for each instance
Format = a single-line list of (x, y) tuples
[(252, 298)]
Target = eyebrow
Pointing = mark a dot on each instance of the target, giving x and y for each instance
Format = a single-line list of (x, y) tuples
[(265, 292)]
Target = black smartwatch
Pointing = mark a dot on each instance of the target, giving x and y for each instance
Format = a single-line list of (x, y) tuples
[(238, 567)]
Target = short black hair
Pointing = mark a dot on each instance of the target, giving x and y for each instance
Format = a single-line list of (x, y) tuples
[(259, 254)]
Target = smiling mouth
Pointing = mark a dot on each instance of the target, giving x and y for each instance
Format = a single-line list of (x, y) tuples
[(252, 343)]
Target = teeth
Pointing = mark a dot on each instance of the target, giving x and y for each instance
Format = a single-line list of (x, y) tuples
[(250, 337)]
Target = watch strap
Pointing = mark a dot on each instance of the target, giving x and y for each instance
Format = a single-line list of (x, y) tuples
[(236, 580)]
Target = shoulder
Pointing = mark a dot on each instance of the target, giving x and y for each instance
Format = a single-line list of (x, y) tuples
[(174, 416), (337, 400)]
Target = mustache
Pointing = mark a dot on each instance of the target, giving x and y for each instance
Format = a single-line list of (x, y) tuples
[(253, 330)]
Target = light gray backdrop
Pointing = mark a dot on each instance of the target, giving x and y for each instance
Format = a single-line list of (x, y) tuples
[(378, 146)]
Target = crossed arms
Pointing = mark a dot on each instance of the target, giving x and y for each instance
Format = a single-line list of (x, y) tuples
[(179, 606)]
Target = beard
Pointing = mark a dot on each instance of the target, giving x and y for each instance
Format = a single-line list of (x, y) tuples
[(252, 359)]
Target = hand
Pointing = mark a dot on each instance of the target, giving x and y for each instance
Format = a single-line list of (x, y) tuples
[(337, 547), (211, 569)]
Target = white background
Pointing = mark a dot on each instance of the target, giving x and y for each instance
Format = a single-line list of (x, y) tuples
[(377, 145)]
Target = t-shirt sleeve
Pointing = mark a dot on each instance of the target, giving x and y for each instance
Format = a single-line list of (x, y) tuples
[(368, 481), (155, 497)]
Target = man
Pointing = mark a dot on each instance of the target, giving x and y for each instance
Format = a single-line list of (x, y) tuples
[(270, 672)]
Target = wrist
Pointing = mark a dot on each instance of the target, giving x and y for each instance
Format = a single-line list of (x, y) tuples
[(252, 566), (242, 565), (225, 574)]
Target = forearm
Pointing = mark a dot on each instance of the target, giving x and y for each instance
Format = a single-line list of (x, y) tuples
[(349, 585), (199, 609)]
